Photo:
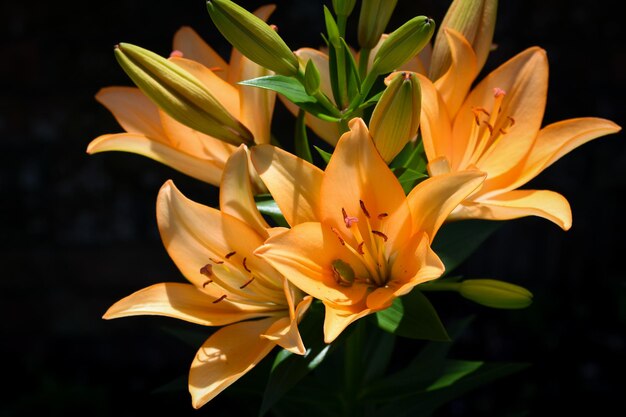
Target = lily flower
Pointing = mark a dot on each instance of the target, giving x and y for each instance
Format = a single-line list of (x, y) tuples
[(228, 285), (496, 128), (150, 132), (356, 242)]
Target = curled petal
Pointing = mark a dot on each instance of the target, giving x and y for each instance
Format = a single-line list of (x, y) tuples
[(284, 332), (338, 318)]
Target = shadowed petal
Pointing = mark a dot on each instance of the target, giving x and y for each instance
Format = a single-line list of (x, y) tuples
[(284, 332), (257, 104), (184, 302), (337, 319), (294, 183), (435, 123), (193, 47), (225, 357)]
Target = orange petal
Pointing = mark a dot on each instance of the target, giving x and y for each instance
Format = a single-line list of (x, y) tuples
[(337, 319), (294, 183), (435, 123), (560, 138), (133, 111), (257, 104), (236, 197), (225, 357), (195, 48), (432, 200), (456, 82), (181, 301), (304, 256), (284, 332), (524, 78), (520, 203), (206, 170)]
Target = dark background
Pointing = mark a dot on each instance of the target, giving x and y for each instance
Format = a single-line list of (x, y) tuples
[(79, 231)]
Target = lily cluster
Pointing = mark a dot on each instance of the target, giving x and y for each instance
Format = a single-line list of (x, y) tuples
[(409, 141)]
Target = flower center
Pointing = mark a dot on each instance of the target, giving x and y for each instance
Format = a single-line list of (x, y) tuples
[(487, 130), (370, 247)]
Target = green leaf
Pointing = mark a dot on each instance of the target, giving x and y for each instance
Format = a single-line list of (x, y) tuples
[(352, 72), (414, 317), (411, 156), (267, 206), (325, 155), (287, 86), (378, 351), (301, 139), (456, 241), (289, 369), (408, 178)]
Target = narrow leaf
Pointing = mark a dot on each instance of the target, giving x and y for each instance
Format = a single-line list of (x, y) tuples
[(301, 139)]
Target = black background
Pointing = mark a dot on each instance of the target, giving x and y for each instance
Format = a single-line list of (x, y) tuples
[(79, 231)]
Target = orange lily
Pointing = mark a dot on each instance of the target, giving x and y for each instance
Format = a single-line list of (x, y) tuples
[(497, 128), (356, 242), (228, 284), (151, 132)]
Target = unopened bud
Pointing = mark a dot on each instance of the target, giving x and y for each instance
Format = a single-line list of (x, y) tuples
[(311, 78), (396, 117), (476, 21), (373, 20), (343, 7), (496, 294), (254, 38), (180, 94), (403, 44)]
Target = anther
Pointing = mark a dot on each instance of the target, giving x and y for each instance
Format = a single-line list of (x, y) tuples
[(349, 220), (247, 283), (362, 204), (511, 121), (381, 234), (382, 216), (219, 299), (489, 127), (207, 270), (245, 266), (360, 248), (229, 254), (216, 261), (336, 232), (207, 283)]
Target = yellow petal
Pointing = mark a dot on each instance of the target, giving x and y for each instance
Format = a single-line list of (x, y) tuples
[(435, 123), (181, 301), (206, 170), (236, 196), (356, 172), (225, 357), (133, 111), (524, 78), (456, 82), (560, 138), (337, 319), (520, 203), (294, 183), (432, 200), (225, 93), (304, 256), (193, 47)]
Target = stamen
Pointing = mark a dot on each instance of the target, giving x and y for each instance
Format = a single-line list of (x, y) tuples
[(367, 213), (245, 266), (216, 261), (360, 248), (229, 254), (206, 283), (382, 216), (381, 234), (219, 299), (207, 270), (336, 232), (489, 127), (176, 54), (349, 220), (246, 284)]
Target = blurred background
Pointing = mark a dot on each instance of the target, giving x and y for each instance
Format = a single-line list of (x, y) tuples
[(80, 231)]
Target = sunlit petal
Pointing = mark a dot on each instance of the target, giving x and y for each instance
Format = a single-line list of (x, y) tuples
[(337, 319), (435, 123), (193, 47)]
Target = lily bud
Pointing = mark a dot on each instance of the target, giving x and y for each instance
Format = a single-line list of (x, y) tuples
[(343, 7), (373, 20), (254, 38), (496, 294), (476, 21), (180, 94), (311, 78), (403, 44), (396, 117)]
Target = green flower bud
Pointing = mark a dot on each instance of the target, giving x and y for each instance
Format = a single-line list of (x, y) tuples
[(496, 294), (180, 94), (343, 7), (254, 38), (373, 20), (403, 44), (311, 78), (476, 21), (396, 117)]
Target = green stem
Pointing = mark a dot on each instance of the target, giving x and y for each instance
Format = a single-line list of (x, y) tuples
[(341, 25), (364, 57), (327, 104), (440, 286), (366, 86)]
